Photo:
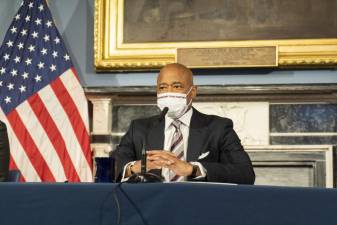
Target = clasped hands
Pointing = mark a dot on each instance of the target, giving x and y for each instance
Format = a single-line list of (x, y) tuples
[(158, 159)]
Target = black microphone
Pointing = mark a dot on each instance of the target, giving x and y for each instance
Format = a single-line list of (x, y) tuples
[(145, 177), (143, 159), (163, 114)]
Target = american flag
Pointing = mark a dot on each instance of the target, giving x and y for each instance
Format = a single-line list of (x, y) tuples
[(42, 101)]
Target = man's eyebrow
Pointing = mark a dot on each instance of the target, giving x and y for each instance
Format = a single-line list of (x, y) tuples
[(173, 83), (177, 82)]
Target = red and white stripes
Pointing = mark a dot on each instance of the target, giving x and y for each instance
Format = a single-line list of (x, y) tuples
[(49, 133)]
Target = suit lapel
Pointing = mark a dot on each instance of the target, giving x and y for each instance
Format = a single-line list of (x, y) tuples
[(195, 141), (196, 136)]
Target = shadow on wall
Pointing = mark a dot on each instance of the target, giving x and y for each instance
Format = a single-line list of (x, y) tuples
[(71, 21), (8, 8)]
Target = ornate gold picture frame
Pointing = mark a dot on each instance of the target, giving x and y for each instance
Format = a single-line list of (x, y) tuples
[(147, 34)]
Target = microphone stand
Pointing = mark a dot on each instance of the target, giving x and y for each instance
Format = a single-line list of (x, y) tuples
[(143, 176)]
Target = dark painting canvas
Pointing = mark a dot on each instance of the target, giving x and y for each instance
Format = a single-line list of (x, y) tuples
[(225, 20)]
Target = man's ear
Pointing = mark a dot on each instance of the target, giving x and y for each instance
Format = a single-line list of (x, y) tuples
[(194, 91)]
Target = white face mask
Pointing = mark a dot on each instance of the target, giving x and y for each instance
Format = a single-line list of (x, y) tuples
[(175, 102)]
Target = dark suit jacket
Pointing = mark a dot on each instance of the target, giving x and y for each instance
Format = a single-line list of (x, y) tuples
[(4, 152), (226, 162)]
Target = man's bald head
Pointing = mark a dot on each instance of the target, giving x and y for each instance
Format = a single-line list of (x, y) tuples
[(177, 78), (176, 70)]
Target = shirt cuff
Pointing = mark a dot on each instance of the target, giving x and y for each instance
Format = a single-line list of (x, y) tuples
[(202, 169), (124, 171)]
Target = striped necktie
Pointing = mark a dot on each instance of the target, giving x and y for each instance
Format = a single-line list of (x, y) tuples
[(177, 147)]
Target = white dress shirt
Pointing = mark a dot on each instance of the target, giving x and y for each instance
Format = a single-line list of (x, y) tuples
[(168, 134), (185, 130)]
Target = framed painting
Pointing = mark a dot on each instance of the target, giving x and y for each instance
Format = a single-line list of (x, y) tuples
[(147, 34)]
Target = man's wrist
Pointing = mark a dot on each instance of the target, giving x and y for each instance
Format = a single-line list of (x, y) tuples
[(200, 171), (194, 171), (130, 169)]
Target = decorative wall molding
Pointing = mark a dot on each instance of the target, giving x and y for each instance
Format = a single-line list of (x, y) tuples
[(220, 93), (246, 117), (313, 164)]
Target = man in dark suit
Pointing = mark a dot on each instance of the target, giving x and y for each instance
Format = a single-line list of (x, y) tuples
[(186, 144), (4, 152)]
